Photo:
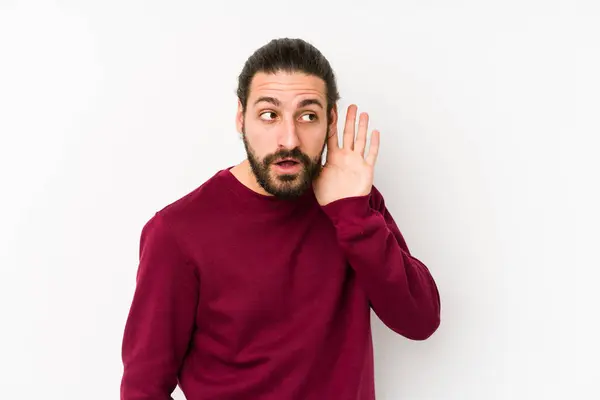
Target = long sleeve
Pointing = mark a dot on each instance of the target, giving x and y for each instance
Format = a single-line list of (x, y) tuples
[(161, 318), (399, 287)]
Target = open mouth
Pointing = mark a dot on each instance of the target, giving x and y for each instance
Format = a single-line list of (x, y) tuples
[(287, 163)]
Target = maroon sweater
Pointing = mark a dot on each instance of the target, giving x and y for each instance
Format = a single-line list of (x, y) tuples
[(241, 296)]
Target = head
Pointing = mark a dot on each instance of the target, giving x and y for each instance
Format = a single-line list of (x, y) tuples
[(287, 97)]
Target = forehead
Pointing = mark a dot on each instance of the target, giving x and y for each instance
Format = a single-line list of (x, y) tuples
[(288, 87)]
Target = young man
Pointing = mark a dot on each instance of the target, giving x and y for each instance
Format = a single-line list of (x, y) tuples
[(259, 283)]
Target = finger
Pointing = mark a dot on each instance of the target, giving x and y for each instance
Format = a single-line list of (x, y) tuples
[(373, 148), (349, 128), (361, 137)]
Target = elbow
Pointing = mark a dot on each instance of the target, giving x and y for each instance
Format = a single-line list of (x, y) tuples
[(425, 328), (429, 321), (420, 324), (427, 318)]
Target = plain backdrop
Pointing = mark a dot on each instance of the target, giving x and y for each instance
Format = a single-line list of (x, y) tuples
[(488, 112)]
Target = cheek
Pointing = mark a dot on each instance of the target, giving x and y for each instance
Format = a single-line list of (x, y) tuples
[(260, 143), (314, 142)]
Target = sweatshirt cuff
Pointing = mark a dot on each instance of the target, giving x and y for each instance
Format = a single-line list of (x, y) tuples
[(349, 211)]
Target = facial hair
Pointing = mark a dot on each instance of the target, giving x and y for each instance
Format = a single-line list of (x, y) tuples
[(284, 186)]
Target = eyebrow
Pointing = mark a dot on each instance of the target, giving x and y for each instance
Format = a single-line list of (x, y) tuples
[(277, 103), (268, 99), (307, 102)]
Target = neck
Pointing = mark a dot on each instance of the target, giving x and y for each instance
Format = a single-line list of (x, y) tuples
[(243, 173)]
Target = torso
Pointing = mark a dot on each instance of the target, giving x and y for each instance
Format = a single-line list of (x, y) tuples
[(280, 313)]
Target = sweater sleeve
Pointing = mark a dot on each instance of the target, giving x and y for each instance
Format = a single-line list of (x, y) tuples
[(161, 318), (400, 288)]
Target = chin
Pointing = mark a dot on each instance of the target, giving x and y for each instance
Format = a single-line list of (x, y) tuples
[(286, 178), (287, 185)]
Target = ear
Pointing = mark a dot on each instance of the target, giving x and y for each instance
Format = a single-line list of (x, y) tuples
[(239, 118), (333, 117)]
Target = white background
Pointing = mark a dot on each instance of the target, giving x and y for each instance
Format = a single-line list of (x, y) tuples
[(110, 110)]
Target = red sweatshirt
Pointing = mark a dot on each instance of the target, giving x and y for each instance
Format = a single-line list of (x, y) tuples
[(242, 296)]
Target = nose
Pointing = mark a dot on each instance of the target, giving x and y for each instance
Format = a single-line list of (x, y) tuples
[(288, 137)]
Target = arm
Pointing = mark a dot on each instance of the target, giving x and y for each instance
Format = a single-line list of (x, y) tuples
[(399, 287), (161, 318)]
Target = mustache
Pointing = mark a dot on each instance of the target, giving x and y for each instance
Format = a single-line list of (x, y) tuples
[(295, 154)]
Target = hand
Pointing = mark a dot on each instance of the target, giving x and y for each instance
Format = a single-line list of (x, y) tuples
[(347, 172)]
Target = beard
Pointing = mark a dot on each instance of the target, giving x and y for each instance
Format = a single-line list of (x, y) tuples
[(285, 186)]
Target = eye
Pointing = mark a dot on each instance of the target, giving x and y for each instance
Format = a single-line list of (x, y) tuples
[(314, 117), (271, 113)]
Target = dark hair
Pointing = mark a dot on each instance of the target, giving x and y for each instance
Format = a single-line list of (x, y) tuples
[(289, 55)]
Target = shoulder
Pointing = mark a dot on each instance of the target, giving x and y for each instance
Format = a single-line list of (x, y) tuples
[(190, 210), (197, 199)]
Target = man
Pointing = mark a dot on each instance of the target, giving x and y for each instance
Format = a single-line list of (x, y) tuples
[(259, 283)]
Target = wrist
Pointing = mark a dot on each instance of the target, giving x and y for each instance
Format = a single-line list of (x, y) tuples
[(355, 207)]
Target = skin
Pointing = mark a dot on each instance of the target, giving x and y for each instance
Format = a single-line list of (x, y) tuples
[(286, 118)]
